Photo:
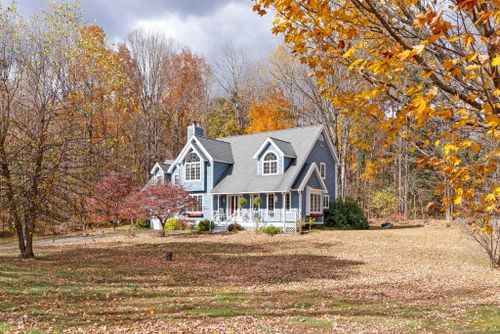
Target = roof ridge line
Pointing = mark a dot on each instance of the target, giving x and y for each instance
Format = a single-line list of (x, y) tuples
[(272, 131)]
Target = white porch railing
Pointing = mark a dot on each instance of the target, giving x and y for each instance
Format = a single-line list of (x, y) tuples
[(263, 215)]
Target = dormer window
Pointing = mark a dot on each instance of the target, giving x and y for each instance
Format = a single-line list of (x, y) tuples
[(270, 164), (193, 167)]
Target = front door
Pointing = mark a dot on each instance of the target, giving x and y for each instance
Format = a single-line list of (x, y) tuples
[(233, 204)]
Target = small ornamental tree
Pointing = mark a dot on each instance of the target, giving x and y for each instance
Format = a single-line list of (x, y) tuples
[(110, 194), (131, 208), (163, 201)]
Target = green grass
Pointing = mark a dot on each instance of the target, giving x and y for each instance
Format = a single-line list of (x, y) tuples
[(35, 331), (486, 319), (341, 304), (4, 327)]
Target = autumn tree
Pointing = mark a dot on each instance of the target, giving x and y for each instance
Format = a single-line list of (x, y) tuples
[(184, 99), (162, 201), (274, 113), (110, 196), (222, 121), (235, 75), (436, 62), (39, 133), (105, 96), (152, 55)]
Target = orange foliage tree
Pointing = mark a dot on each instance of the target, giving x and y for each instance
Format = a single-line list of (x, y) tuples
[(185, 97), (274, 113)]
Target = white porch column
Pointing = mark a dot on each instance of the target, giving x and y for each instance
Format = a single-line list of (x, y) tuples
[(283, 195), (300, 204), (251, 208)]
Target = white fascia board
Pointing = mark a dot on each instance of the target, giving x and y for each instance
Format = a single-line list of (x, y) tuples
[(155, 167), (312, 169), (185, 150), (268, 140)]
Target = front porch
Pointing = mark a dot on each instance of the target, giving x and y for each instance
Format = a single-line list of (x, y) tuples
[(250, 219)]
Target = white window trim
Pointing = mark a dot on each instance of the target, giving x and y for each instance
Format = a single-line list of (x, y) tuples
[(186, 164), (322, 165), (202, 204), (310, 192), (175, 178), (327, 198), (269, 161)]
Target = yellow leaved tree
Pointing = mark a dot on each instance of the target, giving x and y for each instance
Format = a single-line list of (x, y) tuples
[(431, 75)]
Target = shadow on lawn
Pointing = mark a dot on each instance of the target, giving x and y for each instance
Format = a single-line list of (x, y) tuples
[(124, 282), (195, 264)]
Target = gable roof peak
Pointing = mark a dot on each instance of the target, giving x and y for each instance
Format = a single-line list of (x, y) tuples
[(284, 147)]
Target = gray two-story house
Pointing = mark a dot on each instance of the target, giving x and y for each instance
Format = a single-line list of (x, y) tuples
[(292, 172)]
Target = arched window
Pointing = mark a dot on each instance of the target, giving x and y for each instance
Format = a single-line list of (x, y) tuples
[(270, 164), (193, 167)]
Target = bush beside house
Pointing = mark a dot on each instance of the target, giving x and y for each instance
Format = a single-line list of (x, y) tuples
[(272, 230), (172, 224), (143, 223), (347, 215), (206, 225)]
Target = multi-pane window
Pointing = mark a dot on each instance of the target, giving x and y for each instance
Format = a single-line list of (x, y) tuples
[(270, 202), (322, 170), (326, 201), (270, 164), (193, 167), (197, 206), (287, 201), (315, 203)]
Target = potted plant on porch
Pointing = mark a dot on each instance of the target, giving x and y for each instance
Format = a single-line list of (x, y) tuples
[(242, 201)]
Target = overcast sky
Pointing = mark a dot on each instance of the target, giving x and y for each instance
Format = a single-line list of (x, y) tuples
[(203, 25)]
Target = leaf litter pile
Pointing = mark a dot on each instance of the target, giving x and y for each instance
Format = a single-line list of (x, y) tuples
[(431, 279)]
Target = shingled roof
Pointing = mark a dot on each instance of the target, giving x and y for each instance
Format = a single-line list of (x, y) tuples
[(243, 178), (285, 147), (219, 150)]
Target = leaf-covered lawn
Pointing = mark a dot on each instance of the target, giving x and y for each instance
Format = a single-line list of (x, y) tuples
[(430, 279)]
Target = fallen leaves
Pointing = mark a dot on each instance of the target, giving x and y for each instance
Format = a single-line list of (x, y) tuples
[(326, 282)]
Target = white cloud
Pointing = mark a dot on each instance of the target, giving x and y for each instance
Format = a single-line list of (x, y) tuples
[(234, 23)]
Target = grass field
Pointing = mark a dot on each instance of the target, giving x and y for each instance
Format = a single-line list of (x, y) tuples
[(431, 279)]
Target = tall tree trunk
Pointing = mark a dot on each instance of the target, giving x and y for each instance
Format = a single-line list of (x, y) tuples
[(13, 209), (405, 183), (28, 236)]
